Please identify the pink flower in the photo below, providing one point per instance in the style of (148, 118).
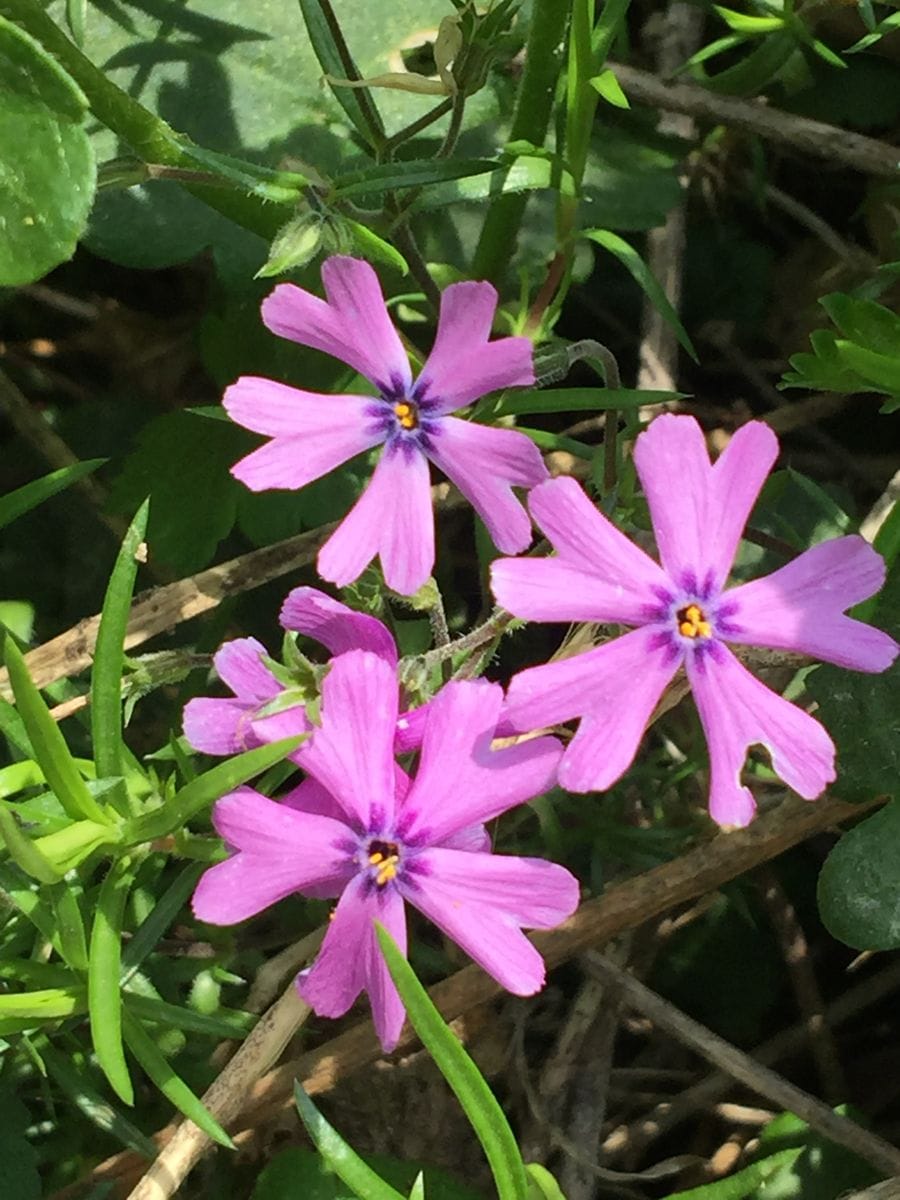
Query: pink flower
(684, 617)
(361, 829)
(260, 710)
(312, 434)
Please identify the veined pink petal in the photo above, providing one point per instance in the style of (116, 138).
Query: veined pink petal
(410, 729)
(614, 688)
(219, 726)
(463, 894)
(350, 960)
(310, 797)
(393, 518)
(339, 628)
(351, 753)
(486, 463)
(738, 711)
(584, 539)
(699, 511)
(463, 364)
(352, 326)
(800, 607)
(239, 664)
(551, 589)
(460, 780)
(278, 410)
(279, 851)
(313, 434)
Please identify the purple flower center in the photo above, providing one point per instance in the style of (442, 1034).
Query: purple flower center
(383, 860)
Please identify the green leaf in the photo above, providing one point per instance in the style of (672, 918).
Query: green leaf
(484, 1113)
(610, 89)
(882, 370)
(753, 73)
(859, 885)
(296, 1173)
(23, 851)
(68, 847)
(74, 1084)
(824, 369)
(172, 1086)
(49, 747)
(642, 275)
(747, 24)
(21, 1178)
(396, 176)
(864, 321)
(341, 1157)
(45, 1005)
(161, 916)
(64, 899)
(541, 1184)
(109, 658)
(202, 791)
(46, 192)
(76, 17)
(373, 248)
(748, 1182)
(295, 244)
(335, 60)
(23, 499)
(546, 400)
(225, 1023)
(104, 997)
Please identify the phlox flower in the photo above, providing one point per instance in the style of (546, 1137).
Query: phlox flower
(360, 828)
(311, 434)
(260, 709)
(685, 616)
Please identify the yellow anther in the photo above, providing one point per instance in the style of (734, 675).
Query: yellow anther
(692, 622)
(388, 871)
(376, 858)
(406, 415)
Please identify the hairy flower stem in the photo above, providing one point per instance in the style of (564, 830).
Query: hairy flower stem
(496, 624)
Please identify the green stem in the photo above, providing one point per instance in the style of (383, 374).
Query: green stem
(408, 131)
(406, 244)
(370, 113)
(531, 119)
(148, 135)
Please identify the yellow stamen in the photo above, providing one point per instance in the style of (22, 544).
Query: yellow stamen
(406, 414)
(388, 871)
(376, 858)
(692, 622)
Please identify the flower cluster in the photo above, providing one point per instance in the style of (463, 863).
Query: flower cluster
(376, 835)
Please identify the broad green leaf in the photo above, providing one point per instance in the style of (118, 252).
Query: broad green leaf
(859, 886)
(46, 192)
(478, 1102)
(103, 978)
(75, 1085)
(544, 400)
(21, 1178)
(341, 1157)
(643, 276)
(202, 791)
(172, 1086)
(23, 499)
(49, 746)
(109, 657)
(883, 370)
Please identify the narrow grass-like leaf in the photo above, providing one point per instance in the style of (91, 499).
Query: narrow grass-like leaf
(75, 1085)
(164, 912)
(21, 893)
(45, 1005)
(554, 441)
(76, 19)
(13, 729)
(341, 1158)
(70, 923)
(24, 852)
(541, 1184)
(545, 400)
(67, 848)
(37, 974)
(227, 1023)
(410, 174)
(23, 499)
(202, 791)
(335, 59)
(49, 746)
(747, 1182)
(478, 1101)
(109, 657)
(172, 1086)
(644, 277)
(103, 978)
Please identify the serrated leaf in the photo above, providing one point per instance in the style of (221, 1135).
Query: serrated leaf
(864, 321)
(23, 499)
(46, 193)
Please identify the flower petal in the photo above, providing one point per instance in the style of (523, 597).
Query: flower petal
(463, 364)
(219, 726)
(279, 851)
(613, 688)
(350, 960)
(481, 900)
(353, 325)
(626, 579)
(460, 780)
(410, 729)
(800, 607)
(239, 664)
(320, 432)
(550, 589)
(351, 753)
(739, 711)
(699, 511)
(392, 518)
(339, 628)
(485, 464)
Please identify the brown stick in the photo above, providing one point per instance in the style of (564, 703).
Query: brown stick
(838, 146)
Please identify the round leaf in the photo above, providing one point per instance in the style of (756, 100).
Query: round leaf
(859, 888)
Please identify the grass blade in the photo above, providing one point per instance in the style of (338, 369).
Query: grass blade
(335, 59)
(164, 912)
(478, 1101)
(22, 500)
(104, 996)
